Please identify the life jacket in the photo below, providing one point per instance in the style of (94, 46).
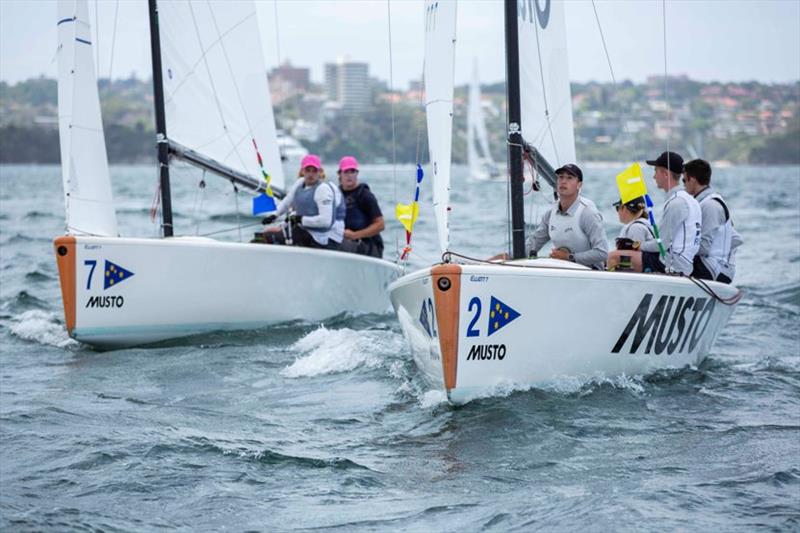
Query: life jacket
(305, 205)
(628, 229)
(720, 258)
(356, 219)
(685, 242)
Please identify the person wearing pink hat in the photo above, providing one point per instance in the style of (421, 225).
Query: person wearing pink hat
(318, 211)
(364, 219)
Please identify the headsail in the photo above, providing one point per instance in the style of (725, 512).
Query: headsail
(440, 45)
(216, 92)
(84, 164)
(544, 80)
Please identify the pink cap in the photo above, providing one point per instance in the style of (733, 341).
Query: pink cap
(348, 162)
(311, 160)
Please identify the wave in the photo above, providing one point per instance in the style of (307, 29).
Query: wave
(771, 363)
(784, 293)
(41, 327)
(24, 301)
(36, 215)
(191, 445)
(341, 350)
(36, 275)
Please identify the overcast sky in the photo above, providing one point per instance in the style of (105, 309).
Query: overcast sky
(725, 40)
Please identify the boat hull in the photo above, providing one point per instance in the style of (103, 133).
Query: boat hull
(121, 292)
(495, 325)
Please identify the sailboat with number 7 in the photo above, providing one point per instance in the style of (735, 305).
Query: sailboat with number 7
(210, 87)
(475, 325)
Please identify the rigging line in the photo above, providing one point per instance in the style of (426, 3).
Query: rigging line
(235, 147)
(391, 102)
(666, 99)
(611, 70)
(230, 68)
(97, 34)
(236, 201)
(544, 94)
(277, 32)
(211, 78)
(113, 42)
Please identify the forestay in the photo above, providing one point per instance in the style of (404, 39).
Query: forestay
(440, 45)
(546, 99)
(84, 166)
(216, 91)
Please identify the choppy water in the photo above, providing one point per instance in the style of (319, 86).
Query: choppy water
(304, 426)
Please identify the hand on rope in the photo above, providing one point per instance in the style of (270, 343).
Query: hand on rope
(269, 219)
(294, 219)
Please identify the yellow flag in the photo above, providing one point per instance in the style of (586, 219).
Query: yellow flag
(407, 214)
(631, 183)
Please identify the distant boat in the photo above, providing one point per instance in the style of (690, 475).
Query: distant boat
(482, 166)
(211, 89)
(292, 152)
(476, 325)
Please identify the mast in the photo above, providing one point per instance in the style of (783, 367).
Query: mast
(514, 131)
(161, 122)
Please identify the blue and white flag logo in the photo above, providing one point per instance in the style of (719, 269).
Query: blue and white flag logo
(500, 315)
(114, 275)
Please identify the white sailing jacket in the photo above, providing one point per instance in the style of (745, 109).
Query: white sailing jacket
(719, 240)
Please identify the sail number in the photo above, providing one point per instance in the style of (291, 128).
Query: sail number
(93, 264)
(427, 318)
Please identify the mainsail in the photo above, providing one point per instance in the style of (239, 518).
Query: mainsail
(84, 165)
(544, 80)
(440, 46)
(216, 91)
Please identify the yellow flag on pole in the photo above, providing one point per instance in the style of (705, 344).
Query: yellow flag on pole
(630, 183)
(407, 214)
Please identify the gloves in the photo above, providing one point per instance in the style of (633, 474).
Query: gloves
(269, 219)
(295, 219)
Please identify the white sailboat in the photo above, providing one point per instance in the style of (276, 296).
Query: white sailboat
(211, 88)
(481, 165)
(476, 326)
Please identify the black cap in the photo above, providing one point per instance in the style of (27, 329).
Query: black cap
(669, 160)
(633, 205)
(570, 168)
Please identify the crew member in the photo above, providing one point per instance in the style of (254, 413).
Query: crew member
(715, 260)
(680, 223)
(319, 211)
(636, 230)
(573, 224)
(363, 222)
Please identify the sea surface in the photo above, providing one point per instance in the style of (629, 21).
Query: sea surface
(308, 426)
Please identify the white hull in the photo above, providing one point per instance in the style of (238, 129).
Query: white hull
(563, 320)
(182, 286)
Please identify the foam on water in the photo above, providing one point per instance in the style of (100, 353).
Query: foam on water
(42, 327)
(328, 351)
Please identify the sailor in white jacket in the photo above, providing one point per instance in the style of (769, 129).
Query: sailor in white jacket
(573, 224)
(680, 223)
(715, 259)
(319, 211)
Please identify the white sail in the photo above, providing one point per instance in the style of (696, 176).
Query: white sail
(216, 91)
(440, 47)
(546, 99)
(480, 123)
(84, 166)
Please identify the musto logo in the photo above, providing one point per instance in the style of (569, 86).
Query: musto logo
(105, 301)
(673, 324)
(487, 352)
